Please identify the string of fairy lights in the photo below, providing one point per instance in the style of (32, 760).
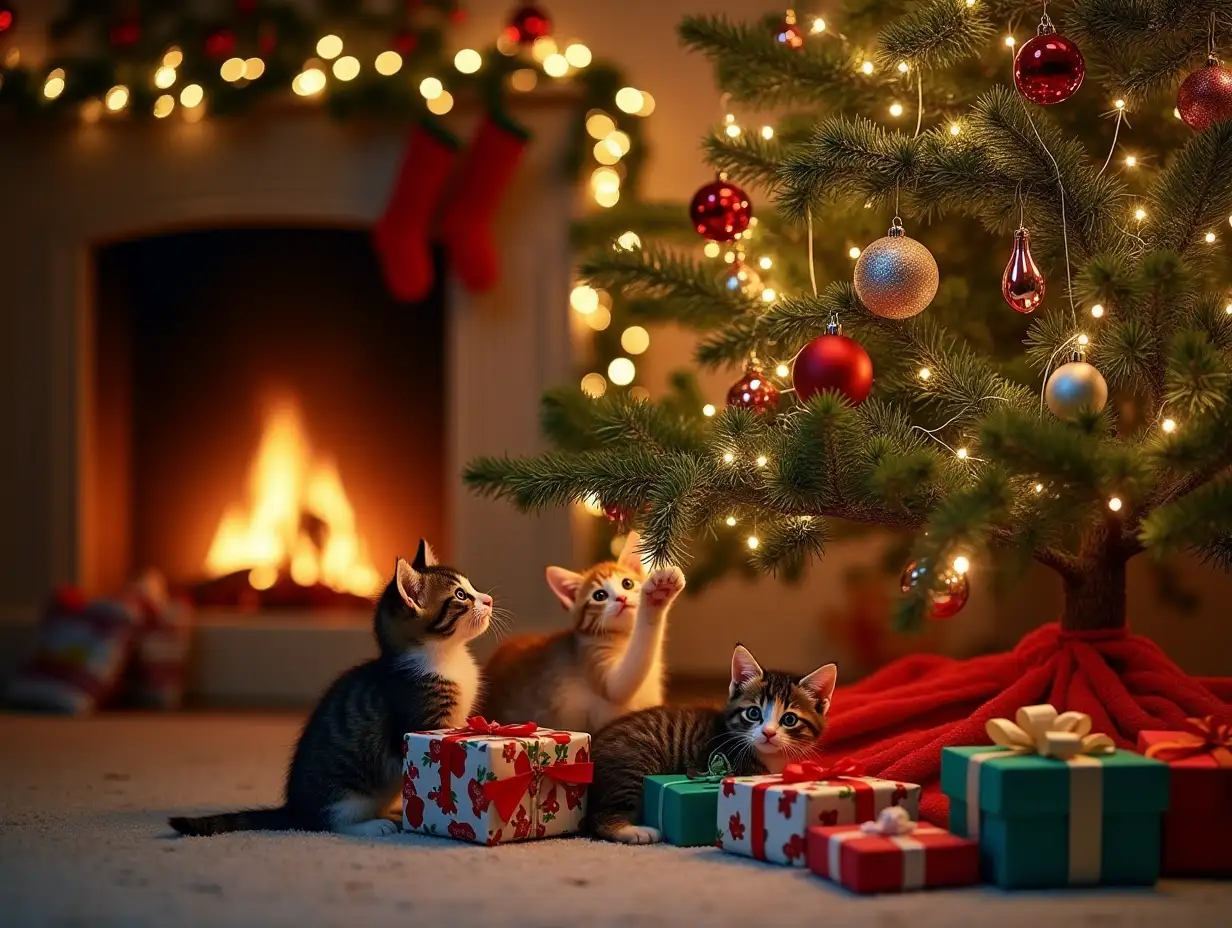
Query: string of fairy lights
(752, 279)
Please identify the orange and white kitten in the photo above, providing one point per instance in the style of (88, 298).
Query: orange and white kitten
(608, 664)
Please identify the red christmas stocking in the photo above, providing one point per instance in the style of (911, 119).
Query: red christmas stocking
(481, 180)
(401, 234)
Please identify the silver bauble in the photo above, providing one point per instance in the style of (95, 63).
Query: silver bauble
(896, 276)
(1075, 387)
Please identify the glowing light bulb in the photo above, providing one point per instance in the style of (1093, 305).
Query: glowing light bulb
(924, 373)
(1131, 161)
(896, 109)
(1010, 41)
(962, 454)
(594, 385)
(621, 371)
(468, 61)
(853, 253)
(629, 240)
(728, 457)
(1140, 214)
(308, 82)
(53, 86)
(191, 96)
(762, 460)
(711, 250)
(782, 370)
(163, 106)
(578, 55)
(955, 129)
(430, 88)
(765, 263)
(442, 104)
(1119, 104)
(388, 63)
(164, 77)
(867, 67)
(767, 132)
(730, 257)
(1210, 238)
(819, 25)
(730, 520)
(329, 46)
(1083, 340)
(1168, 425)
(556, 65)
(523, 79)
(253, 68)
(117, 98)
(1176, 113)
(733, 131)
(1115, 504)
(173, 58)
(629, 100)
(635, 339)
(584, 299)
(1228, 309)
(708, 410)
(903, 67)
(961, 565)
(752, 541)
(542, 47)
(232, 70)
(346, 68)
(1097, 310)
(1039, 488)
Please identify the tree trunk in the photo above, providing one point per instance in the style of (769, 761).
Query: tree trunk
(1096, 598)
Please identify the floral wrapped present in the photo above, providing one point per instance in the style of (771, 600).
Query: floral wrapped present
(1199, 819)
(682, 807)
(892, 854)
(767, 817)
(491, 783)
(1053, 805)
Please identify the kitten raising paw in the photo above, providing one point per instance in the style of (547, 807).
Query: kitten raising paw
(661, 589)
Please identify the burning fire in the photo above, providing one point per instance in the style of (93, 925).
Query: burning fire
(298, 518)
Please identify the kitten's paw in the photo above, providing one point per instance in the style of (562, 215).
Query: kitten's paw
(373, 828)
(635, 834)
(662, 586)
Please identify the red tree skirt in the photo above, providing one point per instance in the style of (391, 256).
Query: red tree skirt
(895, 722)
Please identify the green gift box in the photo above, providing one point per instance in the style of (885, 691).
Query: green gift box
(1048, 822)
(683, 809)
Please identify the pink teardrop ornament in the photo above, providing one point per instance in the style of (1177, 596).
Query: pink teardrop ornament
(1023, 284)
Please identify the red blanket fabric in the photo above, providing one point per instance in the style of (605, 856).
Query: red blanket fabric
(895, 722)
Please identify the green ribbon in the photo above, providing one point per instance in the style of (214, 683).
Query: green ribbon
(718, 767)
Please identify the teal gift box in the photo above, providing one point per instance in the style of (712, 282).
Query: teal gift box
(1047, 822)
(683, 809)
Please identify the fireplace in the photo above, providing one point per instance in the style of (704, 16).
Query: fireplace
(275, 428)
(92, 457)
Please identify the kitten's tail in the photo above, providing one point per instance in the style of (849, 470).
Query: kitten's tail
(248, 820)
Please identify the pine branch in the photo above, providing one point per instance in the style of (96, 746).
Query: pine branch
(748, 158)
(936, 34)
(1193, 195)
(786, 545)
(1202, 517)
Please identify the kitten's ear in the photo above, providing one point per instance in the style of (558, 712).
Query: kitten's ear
(820, 683)
(630, 557)
(410, 584)
(744, 668)
(564, 584)
(425, 557)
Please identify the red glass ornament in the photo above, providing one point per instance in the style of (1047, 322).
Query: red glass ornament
(1205, 97)
(405, 41)
(833, 362)
(8, 19)
(753, 391)
(949, 599)
(1049, 68)
(788, 32)
(720, 211)
(1023, 284)
(220, 43)
(527, 24)
(125, 33)
(615, 513)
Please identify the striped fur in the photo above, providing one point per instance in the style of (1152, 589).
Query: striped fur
(608, 663)
(770, 718)
(344, 773)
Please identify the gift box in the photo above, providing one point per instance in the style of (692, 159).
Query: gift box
(1199, 818)
(491, 784)
(767, 817)
(1053, 805)
(683, 808)
(892, 855)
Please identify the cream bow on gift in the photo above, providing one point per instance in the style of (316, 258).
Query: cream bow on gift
(894, 820)
(1040, 730)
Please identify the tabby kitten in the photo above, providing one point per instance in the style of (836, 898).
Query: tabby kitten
(609, 663)
(346, 769)
(770, 719)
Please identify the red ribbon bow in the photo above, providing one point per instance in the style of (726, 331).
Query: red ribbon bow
(507, 793)
(478, 725)
(808, 771)
(1200, 736)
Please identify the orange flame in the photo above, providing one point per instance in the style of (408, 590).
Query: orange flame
(298, 518)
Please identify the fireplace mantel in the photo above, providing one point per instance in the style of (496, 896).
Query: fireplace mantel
(68, 188)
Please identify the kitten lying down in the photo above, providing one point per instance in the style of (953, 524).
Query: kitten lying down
(346, 770)
(771, 718)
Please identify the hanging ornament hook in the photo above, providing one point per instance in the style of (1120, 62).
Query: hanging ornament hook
(896, 228)
(1211, 58)
(1045, 27)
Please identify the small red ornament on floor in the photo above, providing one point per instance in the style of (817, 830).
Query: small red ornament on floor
(1023, 284)
(1049, 68)
(947, 602)
(753, 391)
(125, 33)
(1205, 97)
(8, 19)
(220, 43)
(720, 211)
(527, 24)
(788, 32)
(833, 362)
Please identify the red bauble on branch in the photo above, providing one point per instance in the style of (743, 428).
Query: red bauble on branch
(220, 43)
(947, 601)
(720, 211)
(527, 24)
(1049, 68)
(1205, 97)
(833, 362)
(8, 19)
(1023, 284)
(753, 391)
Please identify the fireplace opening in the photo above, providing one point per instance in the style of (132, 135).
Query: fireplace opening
(268, 423)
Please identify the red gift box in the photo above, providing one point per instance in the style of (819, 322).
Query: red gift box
(1199, 816)
(867, 862)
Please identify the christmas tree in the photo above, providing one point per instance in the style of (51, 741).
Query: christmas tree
(1110, 437)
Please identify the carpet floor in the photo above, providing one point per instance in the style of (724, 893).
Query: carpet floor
(84, 841)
